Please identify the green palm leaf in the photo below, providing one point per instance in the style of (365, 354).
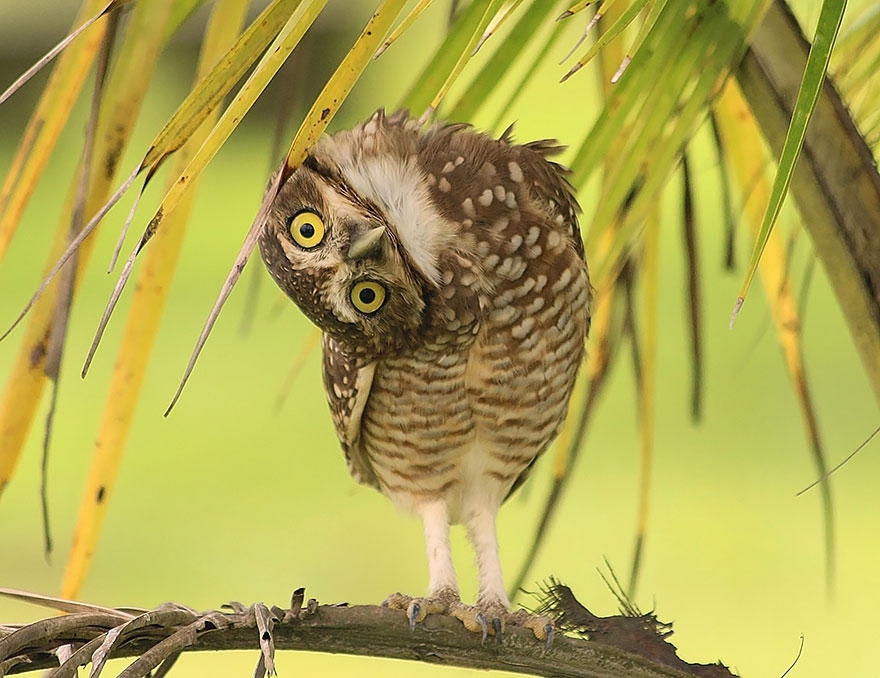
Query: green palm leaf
(659, 70)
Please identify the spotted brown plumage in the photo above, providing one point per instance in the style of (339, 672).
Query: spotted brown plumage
(446, 270)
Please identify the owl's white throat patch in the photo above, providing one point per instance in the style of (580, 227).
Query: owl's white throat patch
(397, 186)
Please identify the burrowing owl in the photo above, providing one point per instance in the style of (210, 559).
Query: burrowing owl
(446, 270)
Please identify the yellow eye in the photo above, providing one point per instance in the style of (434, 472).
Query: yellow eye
(367, 296)
(307, 229)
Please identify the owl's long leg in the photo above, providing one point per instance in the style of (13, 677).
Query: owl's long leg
(441, 571)
(492, 601)
(443, 596)
(481, 530)
(492, 608)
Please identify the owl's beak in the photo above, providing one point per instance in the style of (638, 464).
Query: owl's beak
(366, 244)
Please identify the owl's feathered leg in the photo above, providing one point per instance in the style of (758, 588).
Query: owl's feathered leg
(492, 609)
(443, 596)
(492, 600)
(481, 530)
(441, 571)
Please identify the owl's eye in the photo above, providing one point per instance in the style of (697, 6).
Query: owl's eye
(307, 229)
(367, 296)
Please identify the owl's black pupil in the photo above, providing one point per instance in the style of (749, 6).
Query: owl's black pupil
(307, 230)
(367, 296)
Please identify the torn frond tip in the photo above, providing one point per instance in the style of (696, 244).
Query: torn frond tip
(124, 275)
(429, 111)
(120, 241)
(736, 307)
(177, 393)
(481, 42)
(621, 69)
(574, 69)
(72, 247)
(379, 52)
(580, 40)
(244, 253)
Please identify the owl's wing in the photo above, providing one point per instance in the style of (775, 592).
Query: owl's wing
(347, 382)
(553, 187)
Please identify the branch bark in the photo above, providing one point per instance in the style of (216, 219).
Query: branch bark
(157, 637)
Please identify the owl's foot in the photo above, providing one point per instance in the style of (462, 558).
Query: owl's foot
(448, 603)
(483, 618)
(541, 625)
(419, 608)
(498, 617)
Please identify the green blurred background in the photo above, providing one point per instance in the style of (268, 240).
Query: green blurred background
(231, 498)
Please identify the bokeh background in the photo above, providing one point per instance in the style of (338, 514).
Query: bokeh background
(235, 498)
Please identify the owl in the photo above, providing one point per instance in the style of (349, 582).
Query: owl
(446, 271)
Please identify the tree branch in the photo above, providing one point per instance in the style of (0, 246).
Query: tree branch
(632, 647)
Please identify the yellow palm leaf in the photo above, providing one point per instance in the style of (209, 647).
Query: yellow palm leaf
(47, 121)
(143, 322)
(748, 157)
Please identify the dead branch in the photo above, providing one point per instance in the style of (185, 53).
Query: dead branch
(610, 647)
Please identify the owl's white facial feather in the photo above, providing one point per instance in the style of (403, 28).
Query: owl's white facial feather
(398, 188)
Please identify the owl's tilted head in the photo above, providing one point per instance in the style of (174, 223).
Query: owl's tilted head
(390, 236)
(348, 238)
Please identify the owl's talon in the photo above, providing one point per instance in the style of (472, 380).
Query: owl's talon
(414, 610)
(498, 628)
(550, 630)
(481, 620)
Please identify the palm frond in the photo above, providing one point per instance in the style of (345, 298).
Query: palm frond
(661, 67)
(144, 315)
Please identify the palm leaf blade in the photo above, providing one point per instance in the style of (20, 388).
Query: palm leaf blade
(747, 158)
(46, 124)
(126, 87)
(316, 121)
(140, 332)
(836, 182)
(808, 94)
(216, 84)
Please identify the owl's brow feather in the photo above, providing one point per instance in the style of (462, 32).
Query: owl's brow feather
(334, 178)
(337, 182)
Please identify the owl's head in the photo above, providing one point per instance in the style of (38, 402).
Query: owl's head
(351, 238)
